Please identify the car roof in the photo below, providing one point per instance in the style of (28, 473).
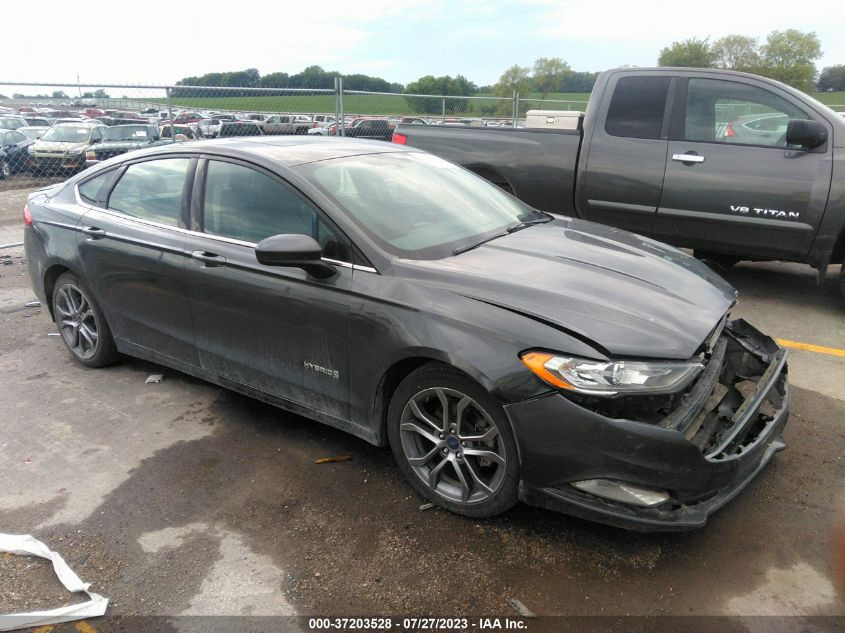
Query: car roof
(287, 150)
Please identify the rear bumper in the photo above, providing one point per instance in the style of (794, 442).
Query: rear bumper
(562, 442)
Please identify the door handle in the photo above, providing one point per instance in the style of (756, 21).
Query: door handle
(211, 260)
(688, 158)
(94, 232)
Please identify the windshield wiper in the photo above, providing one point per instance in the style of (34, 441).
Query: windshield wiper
(516, 226)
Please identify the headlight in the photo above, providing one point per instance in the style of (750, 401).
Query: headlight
(608, 378)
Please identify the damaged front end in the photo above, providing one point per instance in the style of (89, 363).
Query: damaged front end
(666, 461)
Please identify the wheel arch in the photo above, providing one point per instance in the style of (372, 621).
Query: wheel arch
(51, 274)
(401, 369)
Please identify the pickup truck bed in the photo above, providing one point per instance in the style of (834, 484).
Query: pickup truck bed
(521, 161)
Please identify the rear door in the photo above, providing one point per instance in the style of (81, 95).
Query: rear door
(732, 183)
(626, 153)
(272, 328)
(132, 250)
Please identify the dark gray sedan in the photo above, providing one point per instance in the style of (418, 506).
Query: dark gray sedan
(502, 353)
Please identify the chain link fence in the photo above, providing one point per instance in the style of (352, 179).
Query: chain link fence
(49, 131)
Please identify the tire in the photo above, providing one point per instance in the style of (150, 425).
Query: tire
(434, 456)
(81, 323)
(720, 261)
(5, 169)
(842, 279)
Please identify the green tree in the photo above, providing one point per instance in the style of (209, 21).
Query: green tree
(691, 53)
(579, 82)
(549, 75)
(789, 56)
(832, 78)
(275, 80)
(515, 78)
(59, 94)
(736, 52)
(447, 86)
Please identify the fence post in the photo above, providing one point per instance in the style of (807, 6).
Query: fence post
(515, 106)
(336, 102)
(443, 112)
(340, 123)
(170, 116)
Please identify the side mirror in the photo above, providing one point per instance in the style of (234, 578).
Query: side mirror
(294, 250)
(805, 133)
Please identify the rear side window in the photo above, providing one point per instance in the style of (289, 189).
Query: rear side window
(95, 191)
(245, 204)
(637, 107)
(152, 190)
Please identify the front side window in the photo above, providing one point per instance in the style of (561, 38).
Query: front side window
(637, 107)
(720, 111)
(247, 205)
(416, 205)
(152, 190)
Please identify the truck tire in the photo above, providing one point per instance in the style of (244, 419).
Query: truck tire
(719, 261)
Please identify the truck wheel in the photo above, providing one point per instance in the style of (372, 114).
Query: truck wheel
(453, 442)
(718, 260)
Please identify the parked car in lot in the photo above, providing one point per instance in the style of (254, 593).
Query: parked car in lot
(13, 146)
(287, 124)
(12, 122)
(120, 139)
(374, 129)
(767, 194)
(63, 147)
(33, 132)
(33, 121)
(190, 132)
(209, 127)
(240, 128)
(501, 352)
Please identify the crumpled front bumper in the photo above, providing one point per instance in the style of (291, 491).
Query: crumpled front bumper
(706, 451)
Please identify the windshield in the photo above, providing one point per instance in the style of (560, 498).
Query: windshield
(125, 133)
(67, 134)
(416, 205)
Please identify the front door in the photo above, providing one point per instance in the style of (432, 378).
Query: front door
(732, 183)
(271, 328)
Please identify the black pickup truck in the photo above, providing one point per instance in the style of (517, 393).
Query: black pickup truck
(732, 165)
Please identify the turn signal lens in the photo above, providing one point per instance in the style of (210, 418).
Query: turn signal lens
(399, 139)
(27, 216)
(536, 362)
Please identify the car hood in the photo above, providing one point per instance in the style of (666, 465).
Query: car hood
(627, 295)
(52, 146)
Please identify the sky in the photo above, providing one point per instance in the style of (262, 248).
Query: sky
(399, 40)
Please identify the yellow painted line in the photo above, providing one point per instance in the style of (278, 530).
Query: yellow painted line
(44, 629)
(84, 627)
(807, 347)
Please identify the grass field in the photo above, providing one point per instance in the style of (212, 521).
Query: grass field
(401, 105)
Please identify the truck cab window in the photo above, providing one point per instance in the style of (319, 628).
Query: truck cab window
(637, 107)
(720, 111)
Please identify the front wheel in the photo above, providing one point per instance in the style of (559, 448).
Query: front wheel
(81, 323)
(453, 442)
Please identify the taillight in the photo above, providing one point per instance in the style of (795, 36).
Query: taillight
(27, 216)
(90, 154)
(729, 130)
(399, 139)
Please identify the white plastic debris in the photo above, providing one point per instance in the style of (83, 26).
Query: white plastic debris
(154, 378)
(26, 545)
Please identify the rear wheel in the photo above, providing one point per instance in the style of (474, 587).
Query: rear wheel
(453, 443)
(81, 323)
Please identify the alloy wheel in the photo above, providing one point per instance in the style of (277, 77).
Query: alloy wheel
(76, 321)
(453, 445)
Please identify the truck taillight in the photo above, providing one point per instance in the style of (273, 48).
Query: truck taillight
(729, 130)
(399, 139)
(27, 216)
